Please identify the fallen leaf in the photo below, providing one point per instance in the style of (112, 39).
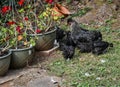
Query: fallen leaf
(20, 37)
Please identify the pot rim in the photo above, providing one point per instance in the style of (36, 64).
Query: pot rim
(43, 33)
(9, 53)
(21, 49)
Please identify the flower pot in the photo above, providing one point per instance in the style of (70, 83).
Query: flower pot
(45, 41)
(20, 57)
(5, 63)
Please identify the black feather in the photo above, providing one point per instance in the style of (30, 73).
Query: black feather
(67, 51)
(100, 47)
(60, 34)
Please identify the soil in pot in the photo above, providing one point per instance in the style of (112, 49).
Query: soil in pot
(3, 53)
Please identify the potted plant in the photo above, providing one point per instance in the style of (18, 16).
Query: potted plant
(5, 57)
(22, 48)
(44, 30)
(45, 22)
(40, 23)
(5, 53)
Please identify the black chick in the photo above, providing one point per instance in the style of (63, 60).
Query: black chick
(82, 35)
(100, 47)
(60, 34)
(67, 50)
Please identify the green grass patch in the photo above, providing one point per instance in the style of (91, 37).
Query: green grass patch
(82, 12)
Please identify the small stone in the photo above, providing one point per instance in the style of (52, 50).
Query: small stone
(87, 74)
(53, 80)
(103, 61)
(98, 78)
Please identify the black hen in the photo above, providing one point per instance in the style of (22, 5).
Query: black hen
(83, 35)
(85, 47)
(60, 34)
(100, 47)
(67, 46)
(68, 39)
(67, 50)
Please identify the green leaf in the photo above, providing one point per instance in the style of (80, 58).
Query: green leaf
(21, 10)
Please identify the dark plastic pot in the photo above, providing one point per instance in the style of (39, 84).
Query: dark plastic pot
(5, 63)
(45, 41)
(20, 57)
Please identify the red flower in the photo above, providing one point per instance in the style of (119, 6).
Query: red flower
(38, 31)
(5, 9)
(26, 18)
(18, 29)
(49, 1)
(10, 22)
(21, 2)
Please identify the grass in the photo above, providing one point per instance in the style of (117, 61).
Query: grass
(88, 70)
(82, 12)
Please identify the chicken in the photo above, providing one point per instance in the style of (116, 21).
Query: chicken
(87, 40)
(68, 39)
(96, 47)
(67, 51)
(67, 46)
(82, 35)
(60, 34)
(85, 47)
(100, 47)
